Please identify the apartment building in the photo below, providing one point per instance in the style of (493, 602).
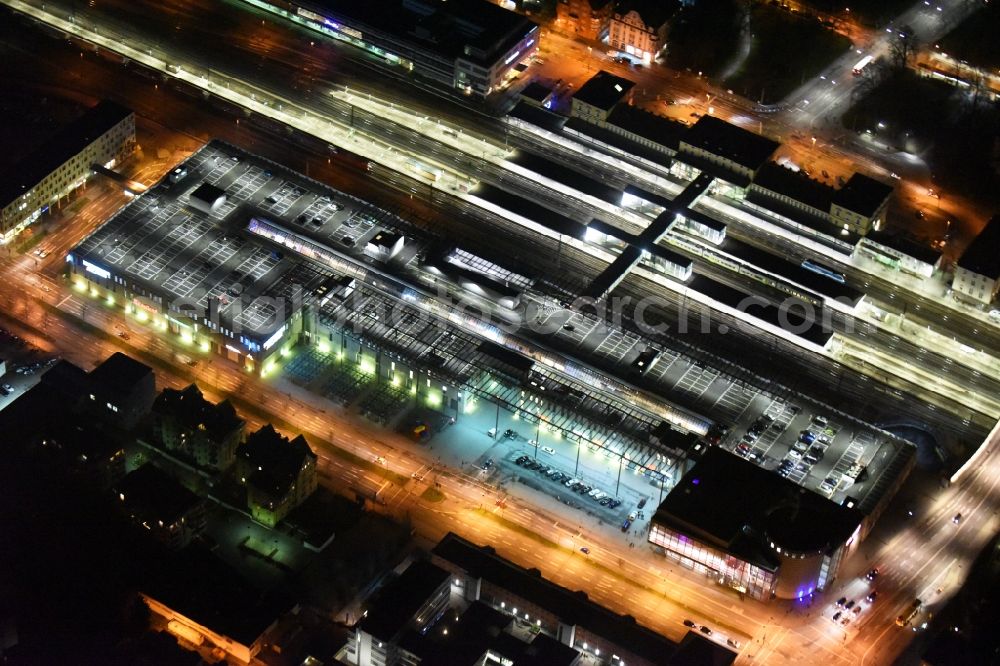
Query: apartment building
(104, 135)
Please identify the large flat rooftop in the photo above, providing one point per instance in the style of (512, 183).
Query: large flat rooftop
(475, 30)
(734, 143)
(735, 505)
(194, 260)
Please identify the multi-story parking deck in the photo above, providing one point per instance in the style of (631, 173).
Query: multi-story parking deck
(381, 305)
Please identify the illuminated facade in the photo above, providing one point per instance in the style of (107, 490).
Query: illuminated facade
(472, 47)
(583, 18)
(278, 473)
(756, 581)
(104, 135)
(778, 540)
(640, 35)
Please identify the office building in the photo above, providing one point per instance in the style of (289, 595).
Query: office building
(473, 47)
(468, 606)
(601, 636)
(780, 540)
(104, 135)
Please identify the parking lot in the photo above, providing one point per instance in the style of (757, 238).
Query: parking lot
(826, 453)
(24, 364)
(807, 444)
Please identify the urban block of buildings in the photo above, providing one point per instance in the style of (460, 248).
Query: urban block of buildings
(473, 48)
(468, 605)
(104, 135)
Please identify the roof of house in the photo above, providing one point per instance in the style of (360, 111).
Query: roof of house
(276, 460)
(394, 605)
(781, 180)
(66, 143)
(654, 13)
(536, 91)
(152, 495)
(120, 373)
(191, 410)
(196, 584)
(746, 148)
(659, 129)
(711, 504)
(862, 195)
(571, 607)
(604, 90)
(982, 256)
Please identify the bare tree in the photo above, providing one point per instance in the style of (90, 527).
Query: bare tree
(902, 47)
(869, 79)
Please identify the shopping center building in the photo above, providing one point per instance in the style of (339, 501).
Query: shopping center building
(762, 535)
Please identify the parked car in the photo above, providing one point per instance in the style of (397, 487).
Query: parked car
(705, 630)
(873, 574)
(549, 450)
(689, 623)
(626, 524)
